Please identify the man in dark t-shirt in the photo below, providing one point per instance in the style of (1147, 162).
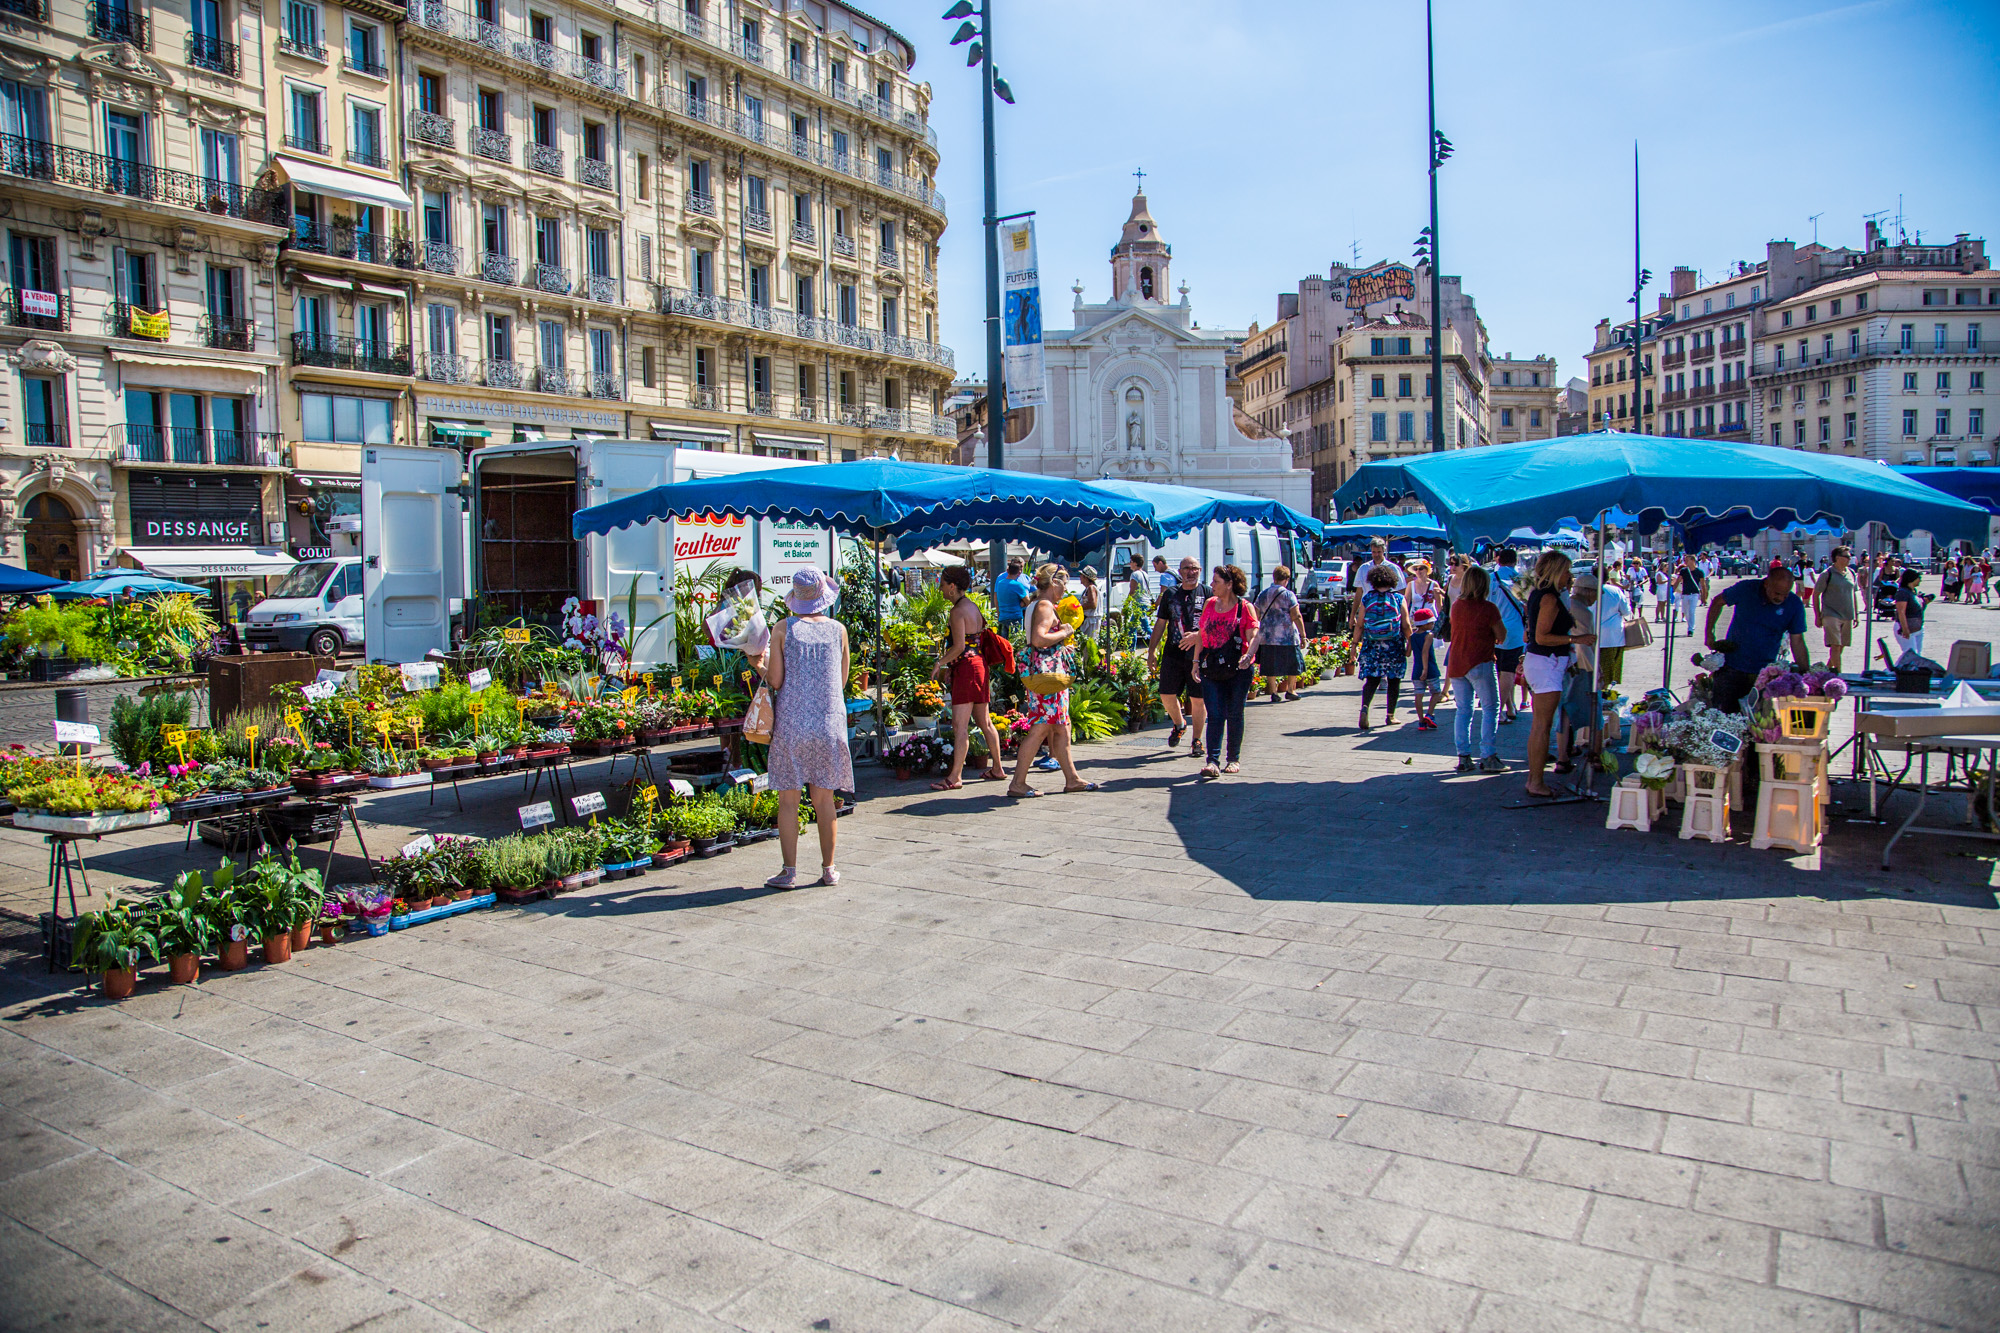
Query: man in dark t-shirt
(1764, 613)
(1176, 635)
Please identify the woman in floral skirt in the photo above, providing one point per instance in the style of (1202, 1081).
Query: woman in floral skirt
(1385, 639)
(1049, 653)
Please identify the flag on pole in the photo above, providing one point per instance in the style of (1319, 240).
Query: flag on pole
(1021, 281)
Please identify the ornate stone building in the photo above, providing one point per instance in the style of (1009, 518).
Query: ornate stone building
(1137, 389)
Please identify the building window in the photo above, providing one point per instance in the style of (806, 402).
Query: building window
(1944, 381)
(1375, 347)
(1975, 421)
(1506, 377)
(1377, 386)
(1378, 427)
(847, 388)
(551, 345)
(1535, 419)
(1406, 425)
(1786, 321)
(548, 242)
(805, 383)
(603, 356)
(704, 273)
(1507, 416)
(1972, 337)
(645, 259)
(647, 371)
(500, 338)
(331, 419)
(892, 394)
(1909, 422)
(1826, 430)
(1403, 347)
(1943, 421)
(1907, 341)
(45, 403)
(305, 124)
(364, 134)
(760, 286)
(701, 376)
(891, 316)
(1909, 381)
(1402, 386)
(642, 177)
(593, 141)
(542, 120)
(1861, 301)
(1799, 432)
(1976, 381)
(1777, 435)
(1847, 425)
(850, 306)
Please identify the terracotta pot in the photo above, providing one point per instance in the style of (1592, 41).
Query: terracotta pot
(903, 775)
(278, 948)
(184, 969)
(119, 981)
(329, 935)
(302, 936)
(233, 956)
(461, 895)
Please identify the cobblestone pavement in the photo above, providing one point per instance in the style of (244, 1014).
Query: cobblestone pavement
(1340, 1043)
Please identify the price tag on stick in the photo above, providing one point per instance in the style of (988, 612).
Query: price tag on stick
(534, 816)
(76, 733)
(514, 635)
(479, 680)
(680, 787)
(590, 803)
(418, 846)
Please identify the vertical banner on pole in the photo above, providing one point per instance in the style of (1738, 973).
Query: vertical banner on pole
(1021, 286)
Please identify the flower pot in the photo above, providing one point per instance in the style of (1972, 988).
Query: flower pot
(701, 845)
(328, 934)
(278, 948)
(903, 775)
(119, 981)
(184, 969)
(488, 757)
(461, 895)
(302, 935)
(676, 845)
(233, 956)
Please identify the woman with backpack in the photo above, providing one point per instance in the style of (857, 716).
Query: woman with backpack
(1222, 665)
(1385, 637)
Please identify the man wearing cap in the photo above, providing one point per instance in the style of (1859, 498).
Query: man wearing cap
(1834, 606)
(1764, 613)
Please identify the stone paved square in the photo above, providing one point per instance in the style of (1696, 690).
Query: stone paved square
(1341, 1043)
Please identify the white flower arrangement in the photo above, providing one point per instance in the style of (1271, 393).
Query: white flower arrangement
(1690, 736)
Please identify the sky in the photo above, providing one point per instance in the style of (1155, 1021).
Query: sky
(1278, 135)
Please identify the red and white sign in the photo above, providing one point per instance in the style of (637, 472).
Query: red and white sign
(701, 540)
(46, 304)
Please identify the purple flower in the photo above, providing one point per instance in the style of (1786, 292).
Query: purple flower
(1783, 685)
(1834, 688)
(1765, 677)
(589, 624)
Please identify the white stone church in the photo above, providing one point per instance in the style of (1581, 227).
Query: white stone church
(1135, 390)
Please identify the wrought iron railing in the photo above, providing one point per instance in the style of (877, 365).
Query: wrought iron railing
(439, 17)
(888, 259)
(430, 127)
(496, 144)
(229, 332)
(214, 55)
(354, 64)
(722, 310)
(603, 384)
(116, 23)
(302, 144)
(335, 351)
(757, 219)
(590, 171)
(47, 434)
(437, 257)
(805, 409)
(346, 242)
(120, 320)
(500, 374)
(545, 158)
(702, 396)
(40, 160)
(804, 233)
(364, 157)
(763, 405)
(701, 203)
(300, 46)
(51, 311)
(444, 368)
(843, 245)
(139, 442)
(496, 268)
(552, 379)
(36, 11)
(602, 287)
(549, 278)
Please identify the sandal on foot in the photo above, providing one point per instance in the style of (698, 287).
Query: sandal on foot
(828, 876)
(1210, 771)
(788, 878)
(946, 784)
(1232, 767)
(1023, 792)
(1088, 786)
(994, 775)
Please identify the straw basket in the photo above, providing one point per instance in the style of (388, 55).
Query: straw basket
(1804, 719)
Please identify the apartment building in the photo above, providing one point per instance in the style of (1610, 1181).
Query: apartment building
(1886, 356)
(137, 317)
(1522, 399)
(1694, 402)
(1382, 390)
(1622, 381)
(1261, 379)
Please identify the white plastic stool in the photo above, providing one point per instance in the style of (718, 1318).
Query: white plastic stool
(1706, 814)
(1631, 806)
(1788, 815)
(1796, 762)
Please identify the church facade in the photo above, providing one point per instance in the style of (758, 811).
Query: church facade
(1137, 390)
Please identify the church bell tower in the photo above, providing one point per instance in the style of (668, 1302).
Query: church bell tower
(1140, 259)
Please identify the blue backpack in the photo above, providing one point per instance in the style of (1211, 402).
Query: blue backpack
(1382, 615)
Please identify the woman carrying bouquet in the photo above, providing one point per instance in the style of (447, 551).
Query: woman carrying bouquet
(807, 671)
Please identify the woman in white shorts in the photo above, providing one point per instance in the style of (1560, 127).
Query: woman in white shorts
(1552, 641)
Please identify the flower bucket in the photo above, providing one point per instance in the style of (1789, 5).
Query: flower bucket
(1804, 719)
(119, 981)
(184, 969)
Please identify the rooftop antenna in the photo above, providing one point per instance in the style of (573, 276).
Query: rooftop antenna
(1815, 221)
(1902, 237)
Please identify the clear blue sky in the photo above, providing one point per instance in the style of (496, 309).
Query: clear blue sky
(1275, 134)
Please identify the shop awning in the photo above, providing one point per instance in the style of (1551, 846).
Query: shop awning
(663, 430)
(341, 184)
(396, 293)
(460, 431)
(313, 279)
(211, 562)
(771, 439)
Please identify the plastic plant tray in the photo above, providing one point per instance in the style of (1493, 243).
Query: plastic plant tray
(97, 823)
(429, 914)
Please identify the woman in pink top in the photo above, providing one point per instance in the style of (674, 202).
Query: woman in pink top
(1224, 662)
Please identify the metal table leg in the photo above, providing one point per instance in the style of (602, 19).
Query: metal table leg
(1923, 796)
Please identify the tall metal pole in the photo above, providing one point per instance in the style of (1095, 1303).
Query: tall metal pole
(996, 375)
(1638, 292)
(1437, 304)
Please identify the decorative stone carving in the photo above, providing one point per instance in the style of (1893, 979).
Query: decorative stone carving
(42, 354)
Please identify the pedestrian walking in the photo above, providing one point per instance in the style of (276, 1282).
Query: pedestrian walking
(1051, 666)
(1690, 589)
(1552, 639)
(1170, 655)
(1513, 641)
(1908, 630)
(1609, 616)
(1362, 577)
(962, 663)
(1093, 612)
(1476, 631)
(1283, 630)
(807, 674)
(1426, 602)
(1011, 596)
(1835, 605)
(1228, 647)
(1384, 616)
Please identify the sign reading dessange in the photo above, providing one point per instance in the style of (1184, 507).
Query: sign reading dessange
(557, 416)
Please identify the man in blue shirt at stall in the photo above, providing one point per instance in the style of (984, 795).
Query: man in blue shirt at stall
(1764, 612)
(1011, 596)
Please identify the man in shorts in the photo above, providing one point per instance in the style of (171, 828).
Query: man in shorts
(1176, 637)
(964, 664)
(1834, 603)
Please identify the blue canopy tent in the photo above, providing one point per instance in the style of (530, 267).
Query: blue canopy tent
(1388, 527)
(1176, 509)
(880, 498)
(15, 580)
(1975, 485)
(126, 583)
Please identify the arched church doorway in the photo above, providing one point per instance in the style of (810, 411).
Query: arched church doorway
(50, 538)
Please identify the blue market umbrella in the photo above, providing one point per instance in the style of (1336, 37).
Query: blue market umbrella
(1975, 485)
(1707, 488)
(128, 584)
(14, 579)
(1389, 527)
(1177, 509)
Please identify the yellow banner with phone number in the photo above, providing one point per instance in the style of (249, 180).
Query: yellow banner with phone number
(149, 324)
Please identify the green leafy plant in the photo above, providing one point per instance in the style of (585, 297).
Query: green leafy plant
(282, 895)
(114, 938)
(703, 817)
(79, 629)
(182, 916)
(516, 861)
(1096, 710)
(134, 732)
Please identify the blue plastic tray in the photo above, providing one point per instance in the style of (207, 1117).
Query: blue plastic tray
(409, 919)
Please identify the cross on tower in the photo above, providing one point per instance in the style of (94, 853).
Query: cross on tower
(1141, 176)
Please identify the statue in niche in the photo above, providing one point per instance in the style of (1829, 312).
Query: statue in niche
(1135, 428)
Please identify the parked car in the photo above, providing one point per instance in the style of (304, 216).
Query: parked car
(315, 609)
(1324, 582)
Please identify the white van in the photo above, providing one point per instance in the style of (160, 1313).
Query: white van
(316, 608)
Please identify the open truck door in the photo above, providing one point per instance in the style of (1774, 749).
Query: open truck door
(411, 545)
(635, 565)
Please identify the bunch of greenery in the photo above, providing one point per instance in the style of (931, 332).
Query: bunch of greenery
(78, 629)
(182, 917)
(516, 861)
(1096, 709)
(94, 791)
(622, 841)
(281, 895)
(703, 817)
(114, 938)
(134, 732)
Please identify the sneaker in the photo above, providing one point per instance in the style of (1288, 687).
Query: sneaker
(1194, 748)
(1174, 737)
(828, 876)
(788, 878)
(1492, 763)
(1464, 763)
(1047, 764)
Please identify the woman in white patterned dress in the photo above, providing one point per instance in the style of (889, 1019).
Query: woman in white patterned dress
(807, 672)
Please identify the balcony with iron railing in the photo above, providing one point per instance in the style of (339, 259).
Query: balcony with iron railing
(703, 397)
(1671, 360)
(602, 287)
(306, 49)
(552, 379)
(1706, 352)
(368, 155)
(496, 268)
(722, 310)
(495, 144)
(545, 158)
(300, 143)
(37, 159)
(594, 172)
(804, 233)
(605, 385)
(549, 278)
(429, 127)
(527, 53)
(118, 318)
(843, 246)
(115, 23)
(1734, 347)
(763, 405)
(805, 409)
(354, 64)
(436, 257)
(214, 55)
(340, 241)
(888, 259)
(26, 308)
(444, 368)
(46, 434)
(138, 442)
(703, 204)
(334, 351)
(500, 373)
(749, 50)
(228, 332)
(757, 219)
(35, 11)
(1891, 348)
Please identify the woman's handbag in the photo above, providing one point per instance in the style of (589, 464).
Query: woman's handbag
(1047, 682)
(1638, 632)
(759, 718)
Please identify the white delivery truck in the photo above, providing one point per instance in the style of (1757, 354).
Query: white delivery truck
(1256, 551)
(316, 608)
(525, 564)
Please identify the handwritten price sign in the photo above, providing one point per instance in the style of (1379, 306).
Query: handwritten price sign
(479, 680)
(514, 636)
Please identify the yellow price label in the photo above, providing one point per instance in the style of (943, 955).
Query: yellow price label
(383, 725)
(677, 682)
(718, 678)
(350, 706)
(475, 706)
(649, 794)
(514, 636)
(746, 680)
(295, 720)
(173, 735)
(649, 684)
(250, 733)
(631, 692)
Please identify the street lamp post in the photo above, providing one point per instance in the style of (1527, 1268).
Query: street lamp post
(1427, 243)
(1640, 277)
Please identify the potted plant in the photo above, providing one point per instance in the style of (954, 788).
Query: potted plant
(284, 902)
(229, 917)
(913, 755)
(183, 925)
(111, 942)
(705, 823)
